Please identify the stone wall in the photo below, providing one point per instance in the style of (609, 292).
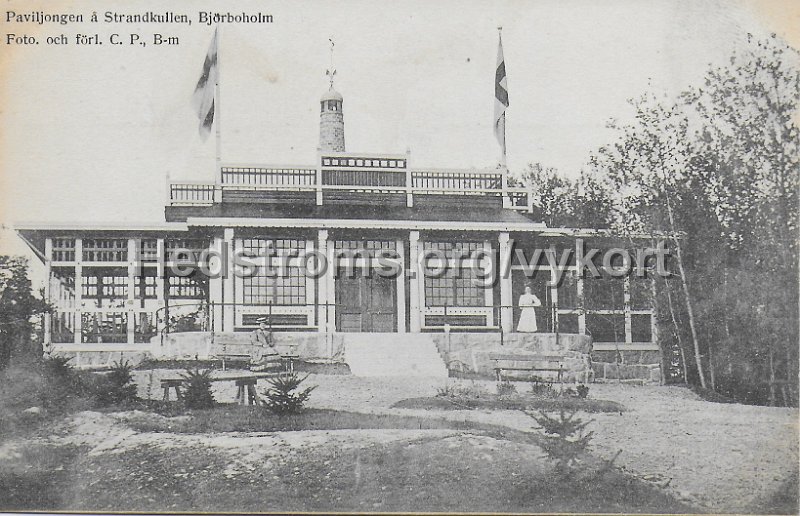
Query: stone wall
(645, 373)
(471, 351)
(96, 359)
(629, 356)
(199, 345)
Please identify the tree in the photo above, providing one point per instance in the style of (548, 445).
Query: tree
(717, 170)
(18, 308)
(562, 202)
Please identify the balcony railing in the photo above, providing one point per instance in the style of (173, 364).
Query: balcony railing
(377, 174)
(193, 194)
(274, 176)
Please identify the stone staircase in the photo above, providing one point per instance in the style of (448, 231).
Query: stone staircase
(393, 354)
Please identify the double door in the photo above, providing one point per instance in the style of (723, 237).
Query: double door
(366, 303)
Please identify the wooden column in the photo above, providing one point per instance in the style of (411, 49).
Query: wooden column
(228, 282)
(409, 181)
(330, 273)
(319, 179)
(48, 268)
(78, 290)
(160, 283)
(130, 304)
(215, 289)
(506, 298)
(627, 307)
(309, 282)
(322, 292)
(415, 278)
(581, 302)
(401, 288)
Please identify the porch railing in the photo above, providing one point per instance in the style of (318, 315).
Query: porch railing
(356, 178)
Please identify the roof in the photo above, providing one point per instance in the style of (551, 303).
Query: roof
(331, 94)
(464, 214)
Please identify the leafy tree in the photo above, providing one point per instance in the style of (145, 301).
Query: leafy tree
(18, 309)
(716, 170)
(562, 202)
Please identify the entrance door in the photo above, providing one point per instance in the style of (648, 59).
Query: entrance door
(366, 304)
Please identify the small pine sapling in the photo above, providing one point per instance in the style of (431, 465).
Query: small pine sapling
(197, 389)
(280, 397)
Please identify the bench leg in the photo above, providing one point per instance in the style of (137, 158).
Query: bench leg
(252, 395)
(177, 393)
(166, 393)
(240, 399)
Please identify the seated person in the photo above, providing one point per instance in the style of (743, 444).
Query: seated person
(264, 355)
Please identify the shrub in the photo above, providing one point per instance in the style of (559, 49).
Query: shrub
(564, 439)
(543, 389)
(197, 389)
(280, 397)
(506, 388)
(117, 386)
(583, 391)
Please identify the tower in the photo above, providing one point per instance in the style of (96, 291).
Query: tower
(331, 118)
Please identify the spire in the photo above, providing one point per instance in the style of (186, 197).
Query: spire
(331, 72)
(331, 121)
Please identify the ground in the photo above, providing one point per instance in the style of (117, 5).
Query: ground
(679, 454)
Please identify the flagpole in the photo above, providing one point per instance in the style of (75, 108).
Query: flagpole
(503, 162)
(217, 103)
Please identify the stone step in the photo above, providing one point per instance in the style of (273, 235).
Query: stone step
(381, 355)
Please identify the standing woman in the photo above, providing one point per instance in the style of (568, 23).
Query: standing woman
(527, 318)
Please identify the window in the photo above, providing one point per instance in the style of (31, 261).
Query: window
(145, 286)
(185, 249)
(261, 247)
(454, 249)
(365, 247)
(104, 284)
(63, 250)
(641, 293)
(148, 249)
(289, 289)
(606, 327)
(568, 291)
(641, 328)
(105, 249)
(454, 288)
(194, 286)
(568, 323)
(606, 293)
(265, 286)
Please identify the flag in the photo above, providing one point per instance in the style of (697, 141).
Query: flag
(204, 92)
(500, 98)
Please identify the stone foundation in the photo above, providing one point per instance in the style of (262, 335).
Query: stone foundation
(650, 373)
(470, 351)
(200, 345)
(98, 359)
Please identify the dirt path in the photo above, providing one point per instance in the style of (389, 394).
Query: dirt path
(726, 458)
(106, 466)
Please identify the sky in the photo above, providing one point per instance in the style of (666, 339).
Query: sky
(92, 133)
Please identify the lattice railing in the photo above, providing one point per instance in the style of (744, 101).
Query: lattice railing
(269, 176)
(454, 181)
(191, 193)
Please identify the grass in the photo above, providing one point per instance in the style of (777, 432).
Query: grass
(235, 418)
(35, 477)
(490, 401)
(456, 474)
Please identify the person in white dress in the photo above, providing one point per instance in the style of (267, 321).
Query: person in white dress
(527, 318)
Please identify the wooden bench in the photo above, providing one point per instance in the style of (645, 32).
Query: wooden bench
(527, 362)
(245, 384)
(286, 360)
